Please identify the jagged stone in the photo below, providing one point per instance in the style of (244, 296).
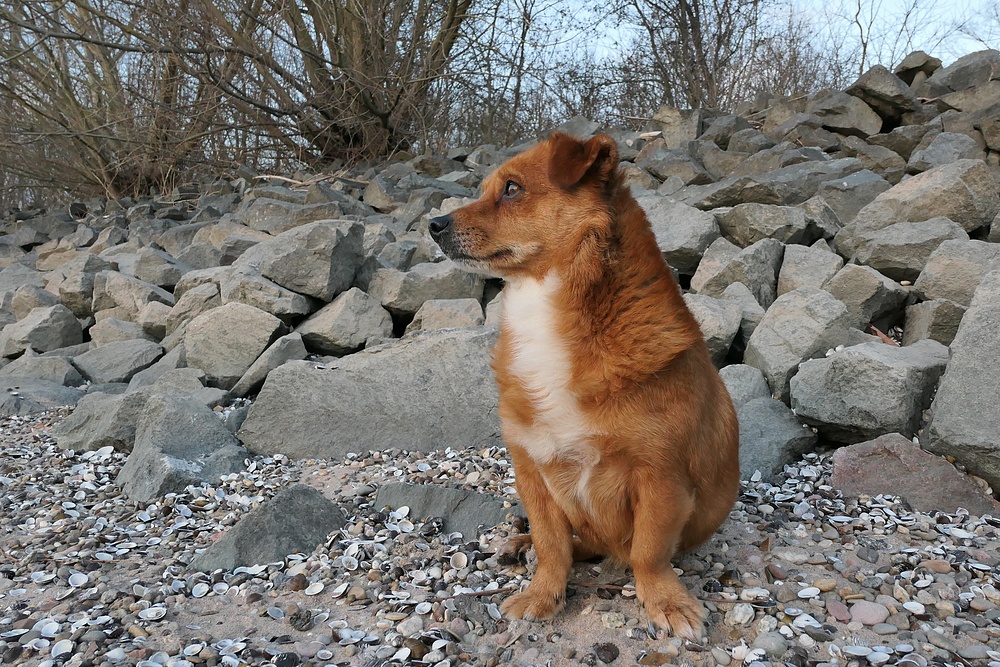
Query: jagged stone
(346, 324)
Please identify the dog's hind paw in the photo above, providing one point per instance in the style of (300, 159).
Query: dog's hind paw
(680, 615)
(533, 604)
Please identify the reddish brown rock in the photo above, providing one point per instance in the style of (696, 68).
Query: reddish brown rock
(892, 464)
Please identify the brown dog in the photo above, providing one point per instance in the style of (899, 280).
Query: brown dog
(623, 437)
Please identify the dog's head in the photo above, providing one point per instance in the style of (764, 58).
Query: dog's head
(535, 208)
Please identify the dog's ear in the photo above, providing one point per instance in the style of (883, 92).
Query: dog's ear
(572, 161)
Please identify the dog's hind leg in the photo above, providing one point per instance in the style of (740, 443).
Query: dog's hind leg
(552, 537)
(660, 514)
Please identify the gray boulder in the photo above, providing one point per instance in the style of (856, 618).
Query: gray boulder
(846, 114)
(937, 319)
(192, 303)
(111, 330)
(802, 324)
(460, 510)
(900, 251)
(43, 329)
(101, 420)
(318, 259)
(25, 395)
(225, 341)
(885, 93)
(719, 321)
(51, 369)
(296, 520)
(346, 324)
(869, 296)
(963, 191)
(158, 268)
(117, 362)
(247, 287)
(274, 217)
(285, 349)
(965, 415)
(428, 391)
(848, 195)
(803, 266)
(944, 148)
(447, 314)
(116, 289)
(745, 224)
(755, 266)
(877, 159)
(868, 390)
(403, 292)
(28, 297)
(955, 269)
(744, 383)
(178, 442)
(682, 232)
(751, 312)
(770, 437)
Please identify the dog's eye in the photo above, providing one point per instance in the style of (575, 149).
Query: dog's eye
(512, 189)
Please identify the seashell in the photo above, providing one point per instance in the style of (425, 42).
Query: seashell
(102, 556)
(220, 588)
(494, 612)
(877, 658)
(42, 577)
(809, 592)
(324, 654)
(232, 649)
(912, 660)
(153, 613)
(78, 579)
(856, 651)
(350, 563)
(459, 560)
(194, 649)
(276, 613)
(314, 588)
(340, 589)
(200, 590)
(115, 655)
(38, 644)
(903, 648)
(50, 629)
(138, 590)
(62, 647)
(423, 608)
(401, 655)
(405, 526)
(913, 607)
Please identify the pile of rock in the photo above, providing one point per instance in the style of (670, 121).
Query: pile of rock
(833, 247)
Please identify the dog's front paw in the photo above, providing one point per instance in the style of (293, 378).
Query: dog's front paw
(534, 604)
(673, 609)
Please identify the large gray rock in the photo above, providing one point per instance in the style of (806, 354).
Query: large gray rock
(116, 289)
(755, 266)
(225, 341)
(770, 436)
(158, 268)
(51, 369)
(178, 442)
(869, 296)
(461, 511)
(191, 304)
(28, 297)
(42, 330)
(112, 330)
(892, 464)
(878, 159)
(937, 319)
(751, 311)
(429, 391)
(965, 415)
(745, 224)
(963, 191)
(944, 148)
(885, 93)
(118, 362)
(848, 195)
(868, 390)
(247, 287)
(296, 520)
(664, 163)
(403, 292)
(744, 383)
(25, 396)
(846, 114)
(274, 217)
(800, 325)
(346, 324)
(101, 420)
(683, 233)
(900, 251)
(318, 259)
(803, 266)
(719, 321)
(285, 349)
(955, 269)
(447, 314)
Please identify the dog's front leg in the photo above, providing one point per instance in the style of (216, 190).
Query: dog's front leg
(552, 536)
(660, 514)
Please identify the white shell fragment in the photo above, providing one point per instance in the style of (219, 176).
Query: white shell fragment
(314, 588)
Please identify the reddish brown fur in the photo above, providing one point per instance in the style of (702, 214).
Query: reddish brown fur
(666, 438)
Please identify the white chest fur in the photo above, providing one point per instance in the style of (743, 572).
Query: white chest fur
(541, 361)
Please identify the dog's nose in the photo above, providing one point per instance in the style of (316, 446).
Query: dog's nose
(438, 225)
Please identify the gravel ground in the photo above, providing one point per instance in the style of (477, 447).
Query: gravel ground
(797, 575)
